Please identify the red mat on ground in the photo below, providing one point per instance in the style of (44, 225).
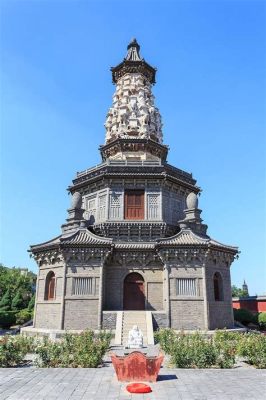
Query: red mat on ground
(138, 388)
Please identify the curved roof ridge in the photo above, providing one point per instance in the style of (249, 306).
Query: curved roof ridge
(216, 243)
(185, 233)
(84, 236)
(55, 240)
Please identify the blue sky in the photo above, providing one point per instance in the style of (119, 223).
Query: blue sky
(56, 89)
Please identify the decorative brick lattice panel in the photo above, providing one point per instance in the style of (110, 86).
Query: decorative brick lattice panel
(153, 206)
(83, 286)
(115, 206)
(186, 287)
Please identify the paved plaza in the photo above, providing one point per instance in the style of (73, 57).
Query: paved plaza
(101, 383)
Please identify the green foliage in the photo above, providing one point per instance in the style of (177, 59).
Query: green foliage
(23, 316)
(6, 301)
(13, 350)
(18, 301)
(244, 316)
(85, 350)
(7, 319)
(226, 345)
(262, 320)
(219, 350)
(15, 284)
(253, 348)
(31, 303)
(238, 292)
(166, 337)
(190, 351)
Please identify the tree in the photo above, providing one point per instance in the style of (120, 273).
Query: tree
(18, 302)
(238, 292)
(15, 283)
(31, 303)
(6, 301)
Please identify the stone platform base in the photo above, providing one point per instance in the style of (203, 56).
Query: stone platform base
(58, 333)
(51, 333)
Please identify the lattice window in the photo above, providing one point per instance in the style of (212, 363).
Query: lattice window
(153, 206)
(83, 286)
(91, 209)
(102, 207)
(186, 287)
(115, 206)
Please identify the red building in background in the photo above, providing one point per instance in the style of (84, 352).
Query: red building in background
(252, 303)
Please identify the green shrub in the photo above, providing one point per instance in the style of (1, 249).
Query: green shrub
(13, 350)
(23, 316)
(85, 350)
(226, 346)
(7, 319)
(191, 351)
(253, 348)
(166, 337)
(244, 316)
(262, 320)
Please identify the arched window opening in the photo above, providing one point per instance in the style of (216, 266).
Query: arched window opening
(218, 287)
(50, 286)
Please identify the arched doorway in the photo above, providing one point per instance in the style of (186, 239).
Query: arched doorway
(134, 297)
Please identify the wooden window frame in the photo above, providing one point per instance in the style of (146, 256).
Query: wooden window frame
(132, 210)
(50, 286)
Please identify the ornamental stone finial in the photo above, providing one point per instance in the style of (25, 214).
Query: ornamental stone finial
(76, 200)
(192, 201)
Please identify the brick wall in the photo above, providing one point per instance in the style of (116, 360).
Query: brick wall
(48, 315)
(81, 314)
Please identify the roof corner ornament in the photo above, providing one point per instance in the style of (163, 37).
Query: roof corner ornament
(192, 218)
(75, 218)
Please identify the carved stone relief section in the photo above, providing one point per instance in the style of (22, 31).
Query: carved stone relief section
(133, 113)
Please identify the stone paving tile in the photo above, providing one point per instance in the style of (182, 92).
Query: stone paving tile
(101, 384)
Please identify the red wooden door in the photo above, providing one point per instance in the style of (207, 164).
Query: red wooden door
(134, 204)
(134, 297)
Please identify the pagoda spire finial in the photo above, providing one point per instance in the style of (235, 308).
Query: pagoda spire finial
(133, 51)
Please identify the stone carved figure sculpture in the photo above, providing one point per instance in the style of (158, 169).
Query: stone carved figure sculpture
(133, 94)
(135, 338)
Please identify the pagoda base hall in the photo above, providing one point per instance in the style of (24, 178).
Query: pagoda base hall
(133, 247)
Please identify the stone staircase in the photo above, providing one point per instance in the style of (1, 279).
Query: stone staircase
(125, 322)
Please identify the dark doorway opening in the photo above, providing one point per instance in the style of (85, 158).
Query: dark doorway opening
(134, 296)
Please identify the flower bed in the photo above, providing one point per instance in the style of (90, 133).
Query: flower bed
(85, 350)
(218, 351)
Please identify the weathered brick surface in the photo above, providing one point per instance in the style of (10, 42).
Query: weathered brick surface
(187, 314)
(81, 314)
(109, 320)
(160, 320)
(48, 315)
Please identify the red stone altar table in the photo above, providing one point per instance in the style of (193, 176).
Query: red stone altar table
(136, 366)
